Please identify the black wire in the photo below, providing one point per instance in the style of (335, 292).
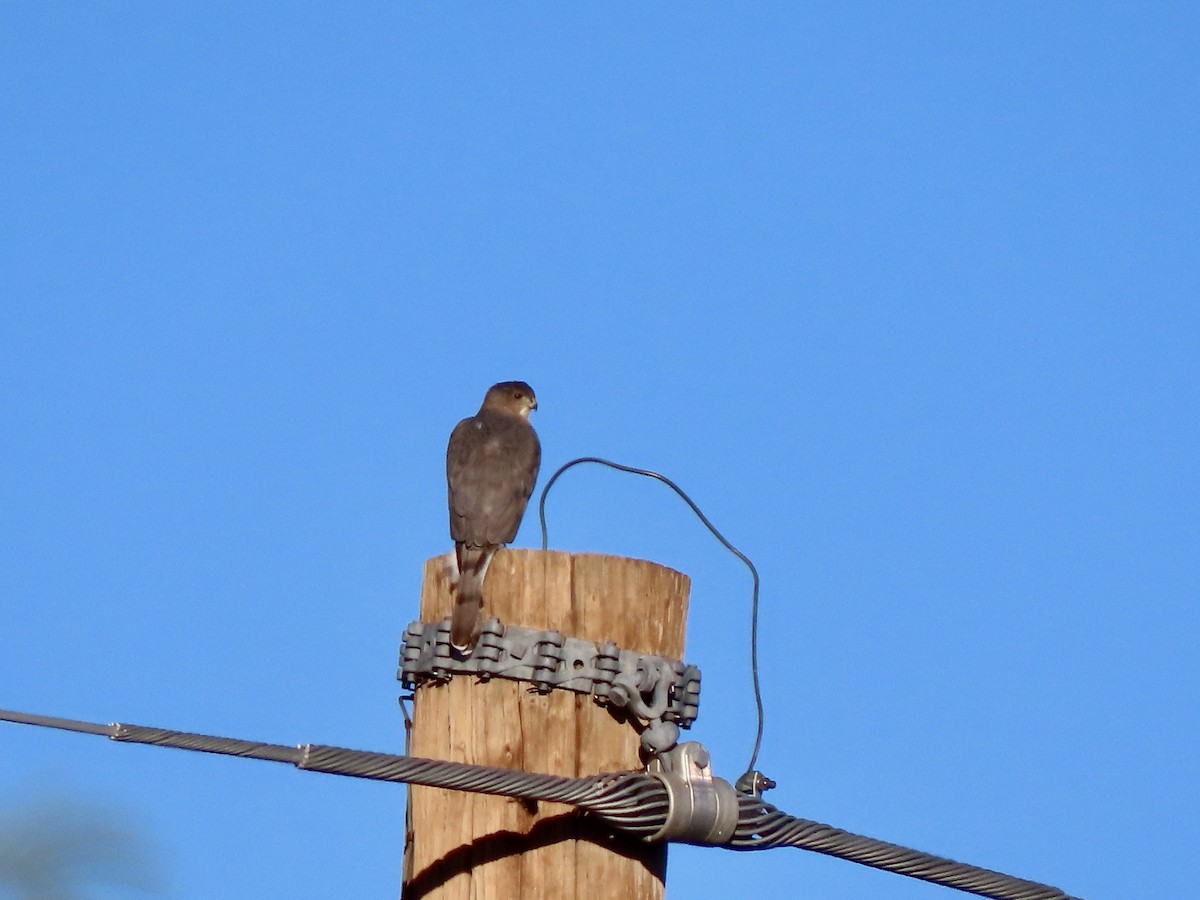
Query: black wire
(720, 537)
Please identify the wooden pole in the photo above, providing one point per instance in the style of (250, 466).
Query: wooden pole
(474, 847)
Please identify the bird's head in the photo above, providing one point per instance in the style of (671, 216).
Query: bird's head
(514, 397)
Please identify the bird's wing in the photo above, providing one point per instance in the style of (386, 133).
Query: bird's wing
(492, 464)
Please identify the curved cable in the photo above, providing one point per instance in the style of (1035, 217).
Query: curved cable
(750, 775)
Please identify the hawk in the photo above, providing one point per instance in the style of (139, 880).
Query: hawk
(491, 465)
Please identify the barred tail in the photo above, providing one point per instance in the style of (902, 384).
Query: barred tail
(466, 619)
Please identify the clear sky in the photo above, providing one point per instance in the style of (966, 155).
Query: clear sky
(906, 296)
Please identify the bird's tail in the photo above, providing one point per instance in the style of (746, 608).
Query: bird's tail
(466, 619)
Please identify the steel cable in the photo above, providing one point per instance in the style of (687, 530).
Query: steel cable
(634, 802)
(761, 826)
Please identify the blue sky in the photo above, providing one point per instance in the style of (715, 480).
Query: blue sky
(904, 294)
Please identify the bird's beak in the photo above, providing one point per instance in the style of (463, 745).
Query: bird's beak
(533, 403)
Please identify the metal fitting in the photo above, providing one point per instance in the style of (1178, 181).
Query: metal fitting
(702, 809)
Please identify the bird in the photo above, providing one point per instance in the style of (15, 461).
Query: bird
(492, 463)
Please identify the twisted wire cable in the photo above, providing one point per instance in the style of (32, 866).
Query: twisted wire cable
(634, 802)
(631, 801)
(762, 826)
(182, 740)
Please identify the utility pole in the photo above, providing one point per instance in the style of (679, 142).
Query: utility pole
(466, 846)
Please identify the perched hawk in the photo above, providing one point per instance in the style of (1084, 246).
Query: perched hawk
(491, 464)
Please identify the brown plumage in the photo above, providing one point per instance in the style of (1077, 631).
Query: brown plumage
(491, 466)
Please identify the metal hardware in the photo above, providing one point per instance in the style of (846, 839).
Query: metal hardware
(662, 694)
(702, 809)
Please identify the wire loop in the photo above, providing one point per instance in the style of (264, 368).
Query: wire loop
(758, 704)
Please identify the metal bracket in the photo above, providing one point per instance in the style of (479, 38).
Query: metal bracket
(663, 694)
(702, 809)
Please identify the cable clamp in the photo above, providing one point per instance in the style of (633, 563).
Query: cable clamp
(702, 809)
